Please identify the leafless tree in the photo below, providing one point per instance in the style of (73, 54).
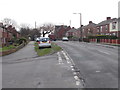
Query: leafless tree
(8, 21)
(24, 25)
(46, 29)
(27, 32)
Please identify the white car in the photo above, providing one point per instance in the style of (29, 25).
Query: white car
(44, 42)
(37, 39)
(65, 39)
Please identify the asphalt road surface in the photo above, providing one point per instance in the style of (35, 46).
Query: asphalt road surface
(97, 63)
(24, 69)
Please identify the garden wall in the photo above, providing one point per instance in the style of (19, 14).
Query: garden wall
(12, 50)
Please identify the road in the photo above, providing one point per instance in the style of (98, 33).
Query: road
(78, 65)
(98, 64)
(24, 69)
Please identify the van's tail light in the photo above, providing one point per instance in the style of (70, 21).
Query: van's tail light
(49, 41)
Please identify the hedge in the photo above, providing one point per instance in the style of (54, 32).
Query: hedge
(102, 37)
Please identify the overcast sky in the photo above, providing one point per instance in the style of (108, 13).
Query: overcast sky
(58, 11)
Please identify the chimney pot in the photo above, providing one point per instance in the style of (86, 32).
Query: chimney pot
(90, 22)
(108, 18)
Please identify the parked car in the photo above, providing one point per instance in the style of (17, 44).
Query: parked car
(65, 39)
(44, 42)
(37, 39)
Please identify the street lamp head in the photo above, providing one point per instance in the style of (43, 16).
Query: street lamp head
(74, 13)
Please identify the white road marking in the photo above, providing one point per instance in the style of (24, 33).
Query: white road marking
(66, 57)
(74, 73)
(59, 58)
(73, 69)
(69, 60)
(77, 82)
(76, 77)
(104, 52)
(97, 71)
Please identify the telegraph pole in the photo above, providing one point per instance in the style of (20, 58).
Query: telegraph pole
(35, 24)
(80, 25)
(70, 23)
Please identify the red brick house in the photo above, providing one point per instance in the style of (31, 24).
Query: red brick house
(108, 27)
(7, 33)
(73, 33)
(60, 31)
(89, 30)
(113, 26)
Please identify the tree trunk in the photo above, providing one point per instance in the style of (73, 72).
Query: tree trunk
(43, 34)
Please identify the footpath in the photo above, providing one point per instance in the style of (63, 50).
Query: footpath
(25, 52)
(108, 45)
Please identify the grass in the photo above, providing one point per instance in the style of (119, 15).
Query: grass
(7, 48)
(46, 51)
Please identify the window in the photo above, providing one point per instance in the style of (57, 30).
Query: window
(82, 30)
(106, 27)
(101, 28)
(88, 30)
(114, 25)
(97, 30)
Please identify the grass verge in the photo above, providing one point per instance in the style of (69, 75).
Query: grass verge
(46, 51)
(7, 48)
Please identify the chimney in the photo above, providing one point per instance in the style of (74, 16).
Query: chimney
(14, 28)
(9, 27)
(90, 22)
(108, 18)
(73, 28)
(1, 24)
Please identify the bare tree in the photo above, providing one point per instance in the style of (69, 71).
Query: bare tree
(27, 32)
(24, 25)
(8, 21)
(46, 29)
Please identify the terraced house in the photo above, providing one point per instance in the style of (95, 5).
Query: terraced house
(60, 31)
(89, 30)
(73, 34)
(105, 27)
(114, 27)
(7, 33)
(108, 27)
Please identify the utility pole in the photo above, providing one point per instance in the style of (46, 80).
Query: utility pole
(80, 25)
(35, 24)
(70, 23)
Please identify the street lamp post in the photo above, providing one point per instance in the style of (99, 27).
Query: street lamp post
(80, 25)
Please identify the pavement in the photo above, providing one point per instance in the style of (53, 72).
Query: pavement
(24, 69)
(25, 52)
(108, 45)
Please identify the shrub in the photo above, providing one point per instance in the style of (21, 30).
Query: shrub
(85, 39)
(103, 37)
(21, 40)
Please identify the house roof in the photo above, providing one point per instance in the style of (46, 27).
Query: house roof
(89, 25)
(106, 22)
(72, 30)
(58, 27)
